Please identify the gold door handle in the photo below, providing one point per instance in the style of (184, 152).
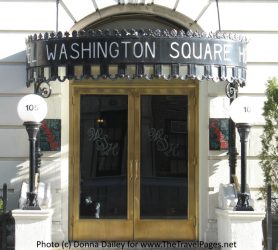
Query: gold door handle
(136, 169)
(130, 170)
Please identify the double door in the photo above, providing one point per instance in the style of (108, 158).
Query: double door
(134, 162)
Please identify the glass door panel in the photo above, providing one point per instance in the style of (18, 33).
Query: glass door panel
(164, 157)
(103, 156)
(165, 164)
(102, 150)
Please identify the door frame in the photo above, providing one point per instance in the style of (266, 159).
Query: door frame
(119, 228)
(158, 229)
(191, 87)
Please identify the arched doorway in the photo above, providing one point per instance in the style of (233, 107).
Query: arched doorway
(134, 146)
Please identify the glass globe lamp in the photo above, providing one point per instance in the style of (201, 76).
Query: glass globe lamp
(32, 109)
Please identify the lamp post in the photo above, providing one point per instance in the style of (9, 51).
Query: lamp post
(242, 112)
(32, 109)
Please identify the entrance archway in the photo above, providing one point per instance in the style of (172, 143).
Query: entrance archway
(157, 17)
(135, 168)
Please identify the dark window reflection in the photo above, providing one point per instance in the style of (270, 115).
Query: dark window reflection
(164, 154)
(103, 156)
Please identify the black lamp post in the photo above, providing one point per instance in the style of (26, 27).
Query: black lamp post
(32, 110)
(243, 197)
(242, 113)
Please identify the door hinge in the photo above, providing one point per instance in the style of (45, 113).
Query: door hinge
(72, 100)
(194, 221)
(194, 161)
(194, 101)
(72, 220)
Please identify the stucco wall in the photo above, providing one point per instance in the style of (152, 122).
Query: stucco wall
(256, 19)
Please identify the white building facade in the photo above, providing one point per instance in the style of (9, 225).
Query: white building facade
(61, 168)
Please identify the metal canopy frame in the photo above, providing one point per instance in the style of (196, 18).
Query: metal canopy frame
(41, 71)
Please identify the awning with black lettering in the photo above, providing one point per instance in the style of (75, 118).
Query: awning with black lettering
(97, 54)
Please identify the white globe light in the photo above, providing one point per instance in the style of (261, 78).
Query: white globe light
(32, 108)
(243, 110)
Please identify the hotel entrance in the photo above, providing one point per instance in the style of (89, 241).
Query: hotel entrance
(134, 171)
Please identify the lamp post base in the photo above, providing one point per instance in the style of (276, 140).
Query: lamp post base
(31, 202)
(243, 203)
(243, 228)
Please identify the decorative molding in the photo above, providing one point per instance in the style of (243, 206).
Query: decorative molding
(138, 33)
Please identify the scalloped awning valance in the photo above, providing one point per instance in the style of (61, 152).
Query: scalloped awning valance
(135, 54)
